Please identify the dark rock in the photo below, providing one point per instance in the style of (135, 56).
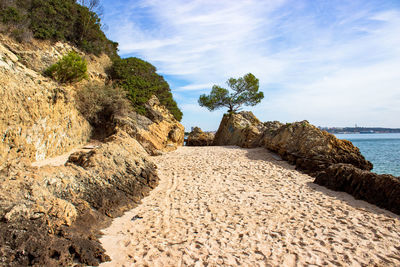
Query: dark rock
(51, 216)
(199, 138)
(381, 190)
(336, 164)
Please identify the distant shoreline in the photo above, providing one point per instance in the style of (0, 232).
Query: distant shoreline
(364, 132)
(359, 130)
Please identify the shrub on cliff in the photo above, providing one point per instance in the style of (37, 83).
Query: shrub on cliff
(140, 80)
(57, 20)
(70, 68)
(99, 103)
(245, 92)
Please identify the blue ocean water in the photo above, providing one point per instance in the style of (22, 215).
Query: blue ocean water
(383, 150)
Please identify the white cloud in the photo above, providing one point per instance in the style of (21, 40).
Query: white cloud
(331, 63)
(195, 87)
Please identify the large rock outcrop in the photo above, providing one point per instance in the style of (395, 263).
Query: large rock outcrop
(199, 138)
(336, 164)
(158, 132)
(300, 143)
(309, 148)
(51, 215)
(382, 190)
(38, 118)
(242, 129)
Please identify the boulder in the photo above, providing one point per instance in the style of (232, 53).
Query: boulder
(381, 190)
(241, 129)
(50, 216)
(199, 138)
(158, 132)
(309, 148)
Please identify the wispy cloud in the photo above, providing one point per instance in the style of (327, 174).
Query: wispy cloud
(331, 62)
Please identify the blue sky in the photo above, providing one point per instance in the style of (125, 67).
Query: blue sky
(334, 63)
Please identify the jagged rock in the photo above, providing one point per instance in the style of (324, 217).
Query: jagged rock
(38, 117)
(242, 129)
(381, 190)
(309, 148)
(336, 164)
(50, 215)
(157, 133)
(199, 138)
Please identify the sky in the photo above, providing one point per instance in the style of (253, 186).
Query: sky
(333, 63)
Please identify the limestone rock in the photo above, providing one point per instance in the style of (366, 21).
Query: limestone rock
(309, 148)
(381, 190)
(242, 129)
(199, 138)
(158, 132)
(50, 215)
(38, 118)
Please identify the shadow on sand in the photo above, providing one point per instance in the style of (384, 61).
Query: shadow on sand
(351, 201)
(267, 156)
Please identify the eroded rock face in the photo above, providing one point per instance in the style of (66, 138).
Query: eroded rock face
(158, 132)
(199, 138)
(242, 129)
(381, 190)
(49, 215)
(300, 143)
(309, 148)
(38, 117)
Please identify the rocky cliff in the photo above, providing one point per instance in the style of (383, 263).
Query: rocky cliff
(157, 132)
(50, 215)
(336, 164)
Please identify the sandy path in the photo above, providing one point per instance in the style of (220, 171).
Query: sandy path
(62, 159)
(230, 206)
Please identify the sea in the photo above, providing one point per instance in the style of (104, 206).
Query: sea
(382, 149)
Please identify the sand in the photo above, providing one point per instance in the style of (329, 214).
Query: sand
(227, 206)
(62, 159)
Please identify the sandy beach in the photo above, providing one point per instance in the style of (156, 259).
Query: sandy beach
(228, 206)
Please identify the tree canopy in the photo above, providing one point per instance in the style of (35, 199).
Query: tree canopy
(245, 92)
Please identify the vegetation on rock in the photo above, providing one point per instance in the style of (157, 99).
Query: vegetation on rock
(57, 20)
(99, 103)
(70, 68)
(77, 22)
(245, 92)
(140, 79)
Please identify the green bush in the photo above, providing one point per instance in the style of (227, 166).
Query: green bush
(70, 68)
(11, 15)
(58, 20)
(140, 79)
(99, 103)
